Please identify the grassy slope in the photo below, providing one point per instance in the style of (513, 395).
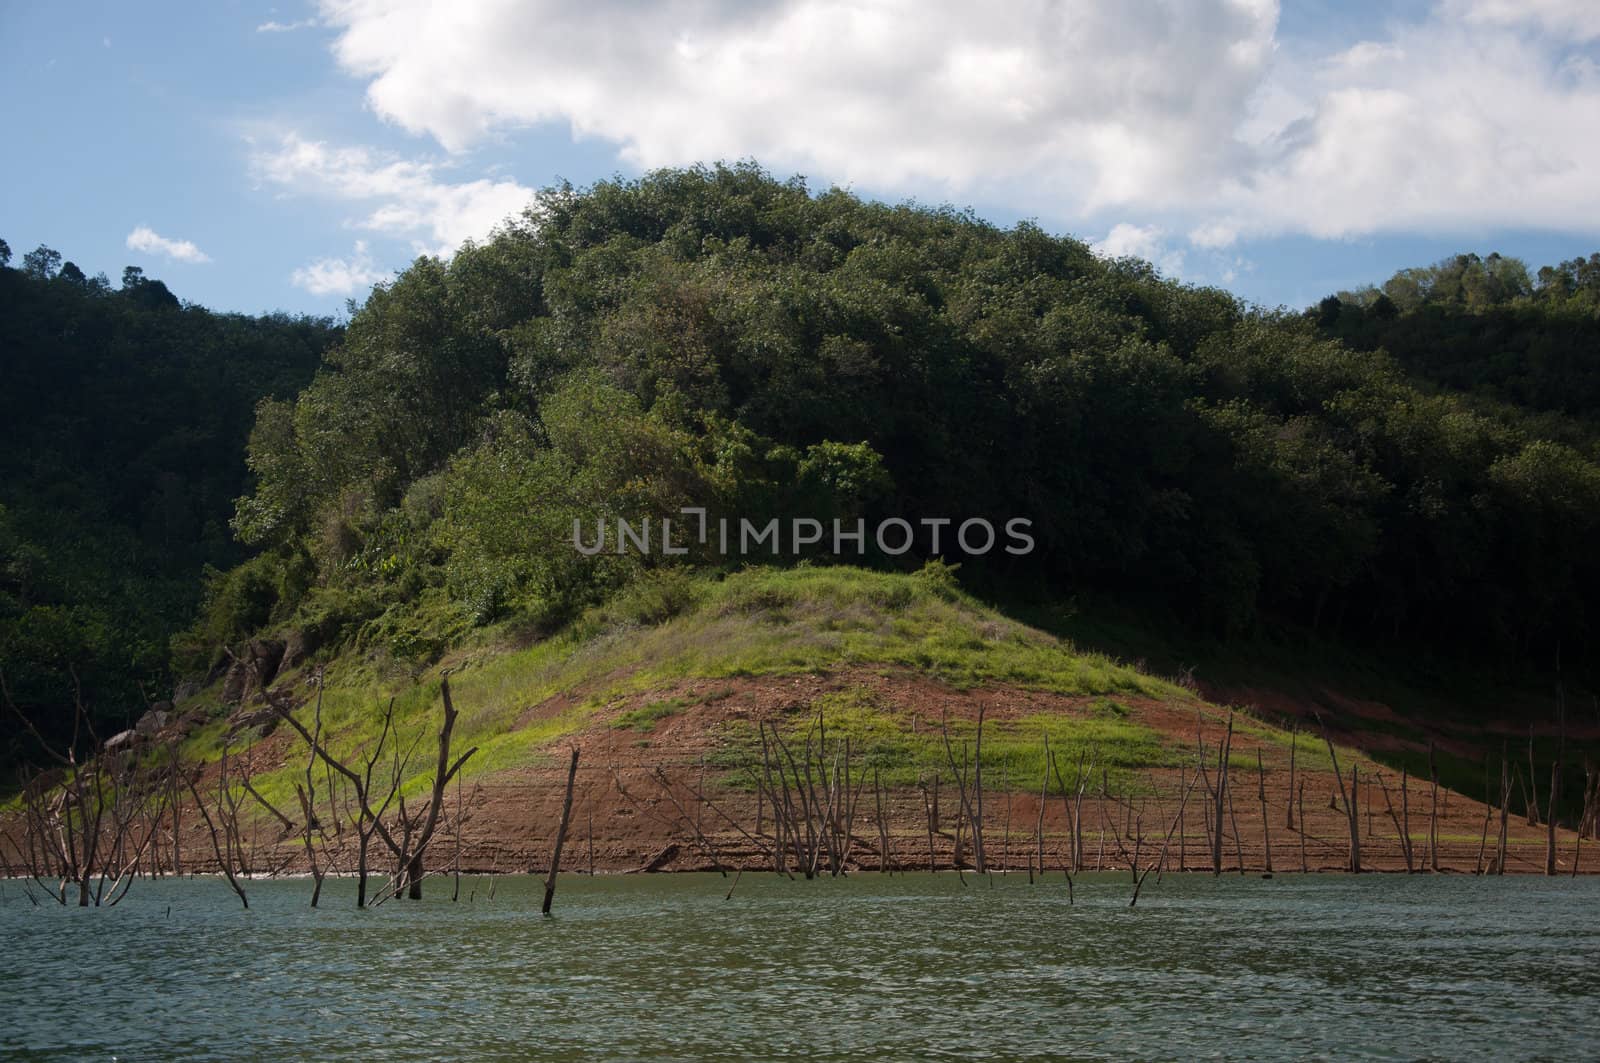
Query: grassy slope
(765, 623)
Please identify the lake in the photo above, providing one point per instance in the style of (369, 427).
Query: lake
(912, 966)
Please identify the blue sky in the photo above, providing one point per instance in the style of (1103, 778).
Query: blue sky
(261, 157)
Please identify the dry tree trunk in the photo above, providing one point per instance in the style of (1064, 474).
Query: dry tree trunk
(977, 788)
(1220, 796)
(444, 771)
(1488, 813)
(1351, 814)
(1294, 743)
(308, 798)
(1586, 817)
(1433, 812)
(883, 822)
(1505, 812)
(561, 834)
(1531, 791)
(217, 843)
(1044, 793)
(1138, 880)
(1555, 783)
(1302, 799)
(1261, 791)
(1238, 835)
(1005, 843)
(1404, 835)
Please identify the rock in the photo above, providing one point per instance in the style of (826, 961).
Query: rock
(236, 682)
(244, 719)
(122, 738)
(185, 690)
(260, 658)
(154, 721)
(268, 656)
(297, 646)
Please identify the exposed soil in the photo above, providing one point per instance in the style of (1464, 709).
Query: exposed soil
(625, 818)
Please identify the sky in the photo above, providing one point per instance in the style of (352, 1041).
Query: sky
(287, 157)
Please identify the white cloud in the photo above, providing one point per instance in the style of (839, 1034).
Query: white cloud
(339, 276)
(1569, 18)
(150, 242)
(1177, 114)
(1106, 103)
(403, 198)
(1148, 242)
(286, 27)
(1447, 126)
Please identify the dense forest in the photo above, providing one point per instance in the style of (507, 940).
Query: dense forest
(125, 417)
(1409, 466)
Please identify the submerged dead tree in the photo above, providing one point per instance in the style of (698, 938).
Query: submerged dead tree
(561, 835)
(1352, 815)
(88, 824)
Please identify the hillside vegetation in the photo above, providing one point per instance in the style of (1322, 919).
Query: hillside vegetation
(716, 338)
(123, 419)
(1412, 469)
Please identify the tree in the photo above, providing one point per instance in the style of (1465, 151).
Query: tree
(42, 262)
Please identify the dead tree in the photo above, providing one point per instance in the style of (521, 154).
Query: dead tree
(1139, 877)
(221, 830)
(883, 822)
(1352, 816)
(1402, 830)
(1261, 792)
(561, 835)
(89, 823)
(308, 800)
(1505, 813)
(1301, 797)
(1555, 782)
(369, 816)
(1220, 796)
(927, 808)
(1294, 745)
(1044, 793)
(1433, 811)
(969, 815)
(1531, 791)
(412, 861)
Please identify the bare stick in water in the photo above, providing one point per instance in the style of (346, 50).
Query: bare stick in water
(561, 834)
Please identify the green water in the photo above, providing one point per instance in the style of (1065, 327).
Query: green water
(896, 968)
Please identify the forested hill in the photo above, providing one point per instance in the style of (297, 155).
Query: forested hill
(123, 420)
(1489, 328)
(717, 338)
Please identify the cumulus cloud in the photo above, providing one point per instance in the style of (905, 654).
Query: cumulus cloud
(402, 197)
(150, 242)
(1472, 115)
(339, 276)
(1109, 102)
(1148, 242)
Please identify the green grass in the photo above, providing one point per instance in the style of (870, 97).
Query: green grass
(757, 622)
(645, 717)
(904, 750)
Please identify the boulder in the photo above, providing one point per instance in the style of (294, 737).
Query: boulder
(268, 656)
(153, 722)
(260, 658)
(298, 645)
(122, 738)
